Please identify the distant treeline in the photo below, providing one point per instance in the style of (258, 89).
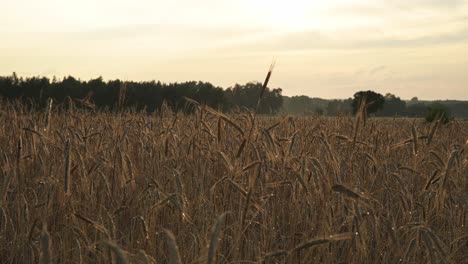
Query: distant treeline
(392, 107)
(148, 96)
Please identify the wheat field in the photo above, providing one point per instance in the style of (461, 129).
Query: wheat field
(125, 187)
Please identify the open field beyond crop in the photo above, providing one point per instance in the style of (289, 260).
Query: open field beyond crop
(84, 187)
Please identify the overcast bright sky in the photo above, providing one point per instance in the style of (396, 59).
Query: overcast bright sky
(328, 49)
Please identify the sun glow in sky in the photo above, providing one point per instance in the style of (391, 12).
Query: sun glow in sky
(328, 49)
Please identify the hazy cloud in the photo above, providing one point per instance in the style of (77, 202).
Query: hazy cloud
(314, 40)
(377, 70)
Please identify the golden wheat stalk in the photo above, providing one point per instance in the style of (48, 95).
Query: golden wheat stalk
(67, 180)
(174, 255)
(213, 242)
(46, 246)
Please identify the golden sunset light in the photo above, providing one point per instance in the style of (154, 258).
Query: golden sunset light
(240, 131)
(323, 48)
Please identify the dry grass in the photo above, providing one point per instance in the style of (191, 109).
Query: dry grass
(134, 188)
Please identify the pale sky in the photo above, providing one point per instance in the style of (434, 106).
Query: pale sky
(328, 49)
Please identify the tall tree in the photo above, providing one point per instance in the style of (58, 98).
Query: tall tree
(393, 106)
(374, 102)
